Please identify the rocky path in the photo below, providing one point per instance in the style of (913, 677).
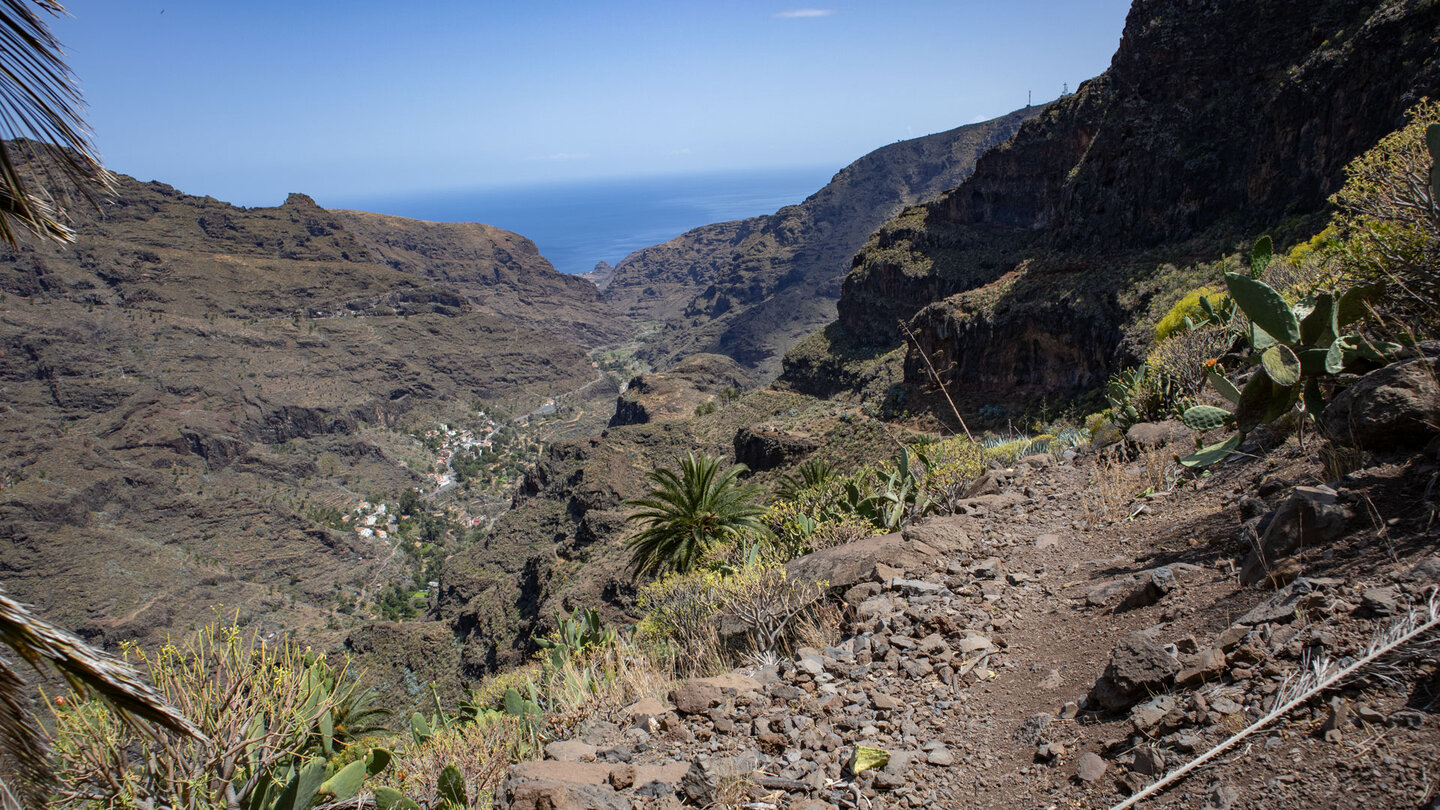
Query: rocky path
(1026, 654)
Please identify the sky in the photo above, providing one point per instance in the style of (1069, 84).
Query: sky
(248, 101)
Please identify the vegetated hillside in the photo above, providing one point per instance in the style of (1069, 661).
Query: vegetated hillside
(195, 393)
(563, 545)
(1021, 281)
(750, 288)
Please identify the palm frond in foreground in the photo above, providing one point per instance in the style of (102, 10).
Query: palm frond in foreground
(40, 99)
(24, 752)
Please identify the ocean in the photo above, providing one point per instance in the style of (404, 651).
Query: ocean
(580, 223)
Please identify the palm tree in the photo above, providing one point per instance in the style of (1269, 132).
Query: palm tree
(39, 98)
(683, 516)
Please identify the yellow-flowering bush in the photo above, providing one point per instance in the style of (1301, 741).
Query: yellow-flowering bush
(1188, 307)
(1390, 222)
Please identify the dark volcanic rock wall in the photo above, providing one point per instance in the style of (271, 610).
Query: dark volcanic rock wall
(1243, 113)
(1214, 122)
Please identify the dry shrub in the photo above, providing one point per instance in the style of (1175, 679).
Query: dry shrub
(1390, 221)
(769, 603)
(684, 614)
(1116, 481)
(481, 751)
(820, 628)
(1182, 356)
(679, 623)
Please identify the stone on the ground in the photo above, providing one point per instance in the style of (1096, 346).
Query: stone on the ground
(552, 795)
(641, 712)
(570, 751)
(1148, 761)
(702, 782)
(1380, 601)
(847, 565)
(1301, 521)
(1154, 585)
(949, 534)
(1206, 665)
(699, 694)
(1157, 434)
(1138, 667)
(1090, 767)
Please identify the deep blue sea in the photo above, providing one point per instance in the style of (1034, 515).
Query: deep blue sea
(578, 224)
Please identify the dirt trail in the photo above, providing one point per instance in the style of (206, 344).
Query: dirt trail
(1040, 592)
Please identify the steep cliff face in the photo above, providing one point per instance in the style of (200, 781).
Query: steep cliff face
(1241, 114)
(1214, 122)
(750, 288)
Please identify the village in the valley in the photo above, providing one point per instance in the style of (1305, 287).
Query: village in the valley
(379, 520)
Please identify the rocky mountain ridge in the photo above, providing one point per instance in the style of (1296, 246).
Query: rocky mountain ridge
(193, 394)
(750, 288)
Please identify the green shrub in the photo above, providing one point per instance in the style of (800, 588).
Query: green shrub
(268, 714)
(1186, 312)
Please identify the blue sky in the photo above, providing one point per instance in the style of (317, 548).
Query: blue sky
(246, 101)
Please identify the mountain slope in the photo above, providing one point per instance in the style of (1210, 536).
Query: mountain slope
(193, 393)
(750, 288)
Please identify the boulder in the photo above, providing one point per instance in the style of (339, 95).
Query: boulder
(550, 785)
(1157, 434)
(641, 712)
(947, 534)
(1152, 588)
(1393, 408)
(1090, 767)
(570, 751)
(843, 567)
(703, 780)
(761, 447)
(700, 694)
(552, 795)
(1309, 518)
(1138, 667)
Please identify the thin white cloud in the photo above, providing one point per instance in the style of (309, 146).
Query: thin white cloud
(562, 156)
(804, 13)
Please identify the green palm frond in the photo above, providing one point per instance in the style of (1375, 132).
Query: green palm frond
(810, 474)
(40, 99)
(683, 516)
